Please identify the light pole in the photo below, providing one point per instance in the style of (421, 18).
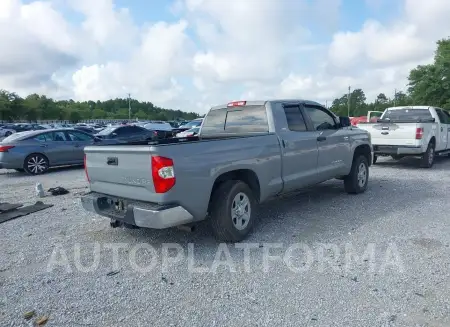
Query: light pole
(348, 102)
(129, 106)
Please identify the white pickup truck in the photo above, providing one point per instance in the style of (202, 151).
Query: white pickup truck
(410, 131)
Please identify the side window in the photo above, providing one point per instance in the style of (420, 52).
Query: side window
(447, 115)
(295, 119)
(123, 131)
(442, 117)
(58, 136)
(321, 119)
(76, 136)
(43, 137)
(135, 130)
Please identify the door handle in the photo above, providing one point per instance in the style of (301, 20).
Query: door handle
(77, 145)
(345, 137)
(321, 138)
(44, 145)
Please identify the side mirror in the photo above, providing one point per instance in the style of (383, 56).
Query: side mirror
(344, 121)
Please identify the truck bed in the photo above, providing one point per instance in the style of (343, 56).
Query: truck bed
(398, 133)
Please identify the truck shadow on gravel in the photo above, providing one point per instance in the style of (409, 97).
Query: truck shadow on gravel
(52, 170)
(313, 214)
(440, 163)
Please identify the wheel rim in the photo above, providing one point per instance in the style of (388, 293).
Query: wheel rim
(36, 164)
(240, 211)
(362, 175)
(431, 156)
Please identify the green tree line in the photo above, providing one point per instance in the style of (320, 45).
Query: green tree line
(427, 85)
(39, 107)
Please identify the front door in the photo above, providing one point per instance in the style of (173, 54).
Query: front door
(299, 151)
(443, 131)
(447, 120)
(333, 143)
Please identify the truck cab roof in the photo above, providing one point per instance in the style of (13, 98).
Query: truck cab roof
(263, 102)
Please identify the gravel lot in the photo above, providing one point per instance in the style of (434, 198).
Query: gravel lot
(403, 217)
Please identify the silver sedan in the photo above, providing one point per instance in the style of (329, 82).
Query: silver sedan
(36, 151)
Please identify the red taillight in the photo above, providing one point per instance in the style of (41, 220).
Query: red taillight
(236, 103)
(163, 174)
(5, 148)
(85, 169)
(419, 133)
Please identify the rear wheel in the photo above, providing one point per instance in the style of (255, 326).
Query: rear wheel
(427, 160)
(356, 182)
(36, 164)
(233, 211)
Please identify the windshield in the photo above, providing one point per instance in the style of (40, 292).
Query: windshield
(407, 114)
(108, 130)
(193, 130)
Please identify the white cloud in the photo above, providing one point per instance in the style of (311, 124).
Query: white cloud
(217, 50)
(377, 58)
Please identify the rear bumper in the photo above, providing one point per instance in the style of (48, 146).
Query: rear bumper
(397, 150)
(137, 213)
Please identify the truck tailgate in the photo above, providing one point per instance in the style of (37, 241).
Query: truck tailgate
(392, 133)
(122, 171)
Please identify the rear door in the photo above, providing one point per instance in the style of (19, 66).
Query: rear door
(299, 150)
(55, 146)
(333, 142)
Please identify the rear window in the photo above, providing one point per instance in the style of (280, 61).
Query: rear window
(236, 120)
(408, 114)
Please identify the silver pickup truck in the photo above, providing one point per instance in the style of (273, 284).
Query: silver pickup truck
(246, 153)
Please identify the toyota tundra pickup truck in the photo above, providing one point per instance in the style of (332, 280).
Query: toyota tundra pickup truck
(421, 131)
(246, 153)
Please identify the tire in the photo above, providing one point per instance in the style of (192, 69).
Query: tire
(396, 157)
(374, 161)
(227, 227)
(356, 182)
(427, 160)
(30, 166)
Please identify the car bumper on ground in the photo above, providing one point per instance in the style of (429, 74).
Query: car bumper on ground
(397, 150)
(136, 213)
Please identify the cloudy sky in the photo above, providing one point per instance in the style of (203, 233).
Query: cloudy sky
(191, 54)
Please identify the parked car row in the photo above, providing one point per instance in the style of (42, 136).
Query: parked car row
(34, 148)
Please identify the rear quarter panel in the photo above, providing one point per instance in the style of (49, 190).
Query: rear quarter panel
(198, 165)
